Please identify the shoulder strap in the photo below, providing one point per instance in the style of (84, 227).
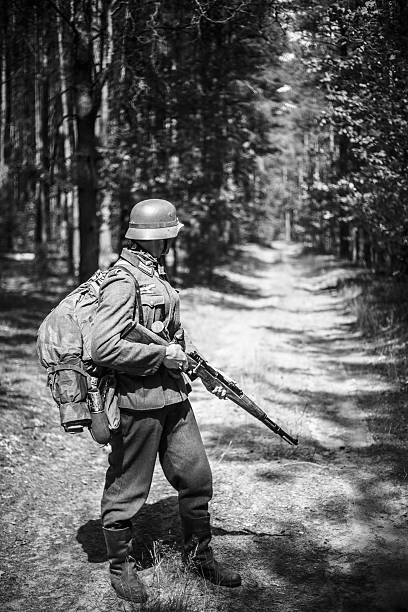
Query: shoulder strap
(138, 301)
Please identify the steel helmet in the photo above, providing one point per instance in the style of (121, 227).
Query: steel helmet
(153, 220)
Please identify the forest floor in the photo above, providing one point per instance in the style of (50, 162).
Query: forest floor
(319, 527)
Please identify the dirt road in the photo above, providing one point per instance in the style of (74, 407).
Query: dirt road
(321, 527)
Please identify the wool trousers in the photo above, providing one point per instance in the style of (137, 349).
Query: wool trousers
(172, 434)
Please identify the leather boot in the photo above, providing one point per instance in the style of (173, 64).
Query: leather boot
(199, 556)
(122, 566)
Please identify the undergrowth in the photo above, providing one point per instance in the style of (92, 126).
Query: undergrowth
(171, 586)
(380, 308)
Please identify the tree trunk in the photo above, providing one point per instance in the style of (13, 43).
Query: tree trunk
(41, 93)
(70, 200)
(45, 151)
(344, 240)
(367, 250)
(356, 245)
(7, 219)
(288, 225)
(3, 97)
(105, 57)
(87, 104)
(3, 167)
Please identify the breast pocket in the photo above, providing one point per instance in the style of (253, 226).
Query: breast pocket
(153, 309)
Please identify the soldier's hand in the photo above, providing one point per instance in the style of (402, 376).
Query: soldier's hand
(217, 390)
(220, 392)
(175, 358)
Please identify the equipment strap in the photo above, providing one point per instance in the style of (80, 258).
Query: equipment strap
(66, 366)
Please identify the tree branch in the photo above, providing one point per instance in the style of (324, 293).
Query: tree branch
(204, 14)
(63, 15)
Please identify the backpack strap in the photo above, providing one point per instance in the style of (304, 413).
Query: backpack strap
(138, 302)
(66, 366)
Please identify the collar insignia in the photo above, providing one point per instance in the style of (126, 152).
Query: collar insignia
(145, 268)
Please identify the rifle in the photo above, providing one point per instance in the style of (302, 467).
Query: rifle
(135, 332)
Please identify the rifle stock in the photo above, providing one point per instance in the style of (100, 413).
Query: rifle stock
(135, 332)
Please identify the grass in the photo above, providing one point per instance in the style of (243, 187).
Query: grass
(172, 587)
(380, 308)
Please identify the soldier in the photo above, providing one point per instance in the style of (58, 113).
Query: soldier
(156, 416)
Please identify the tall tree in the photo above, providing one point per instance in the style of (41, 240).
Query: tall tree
(88, 83)
(124, 100)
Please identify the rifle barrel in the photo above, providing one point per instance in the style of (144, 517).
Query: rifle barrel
(281, 432)
(247, 404)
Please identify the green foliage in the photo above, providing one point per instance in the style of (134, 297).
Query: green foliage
(190, 127)
(179, 89)
(248, 115)
(355, 187)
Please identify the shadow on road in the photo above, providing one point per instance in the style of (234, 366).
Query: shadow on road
(298, 567)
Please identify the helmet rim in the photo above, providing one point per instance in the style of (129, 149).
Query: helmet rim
(153, 233)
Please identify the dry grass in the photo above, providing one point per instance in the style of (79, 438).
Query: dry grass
(172, 586)
(381, 305)
(381, 312)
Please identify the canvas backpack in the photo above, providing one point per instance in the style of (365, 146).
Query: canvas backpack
(64, 349)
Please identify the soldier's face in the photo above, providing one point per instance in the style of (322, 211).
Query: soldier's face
(154, 247)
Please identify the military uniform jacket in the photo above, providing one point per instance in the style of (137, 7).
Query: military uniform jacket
(143, 382)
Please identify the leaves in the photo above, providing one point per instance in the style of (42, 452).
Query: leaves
(358, 147)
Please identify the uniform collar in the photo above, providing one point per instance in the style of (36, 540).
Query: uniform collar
(134, 257)
(144, 261)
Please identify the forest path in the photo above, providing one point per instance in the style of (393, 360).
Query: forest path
(317, 527)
